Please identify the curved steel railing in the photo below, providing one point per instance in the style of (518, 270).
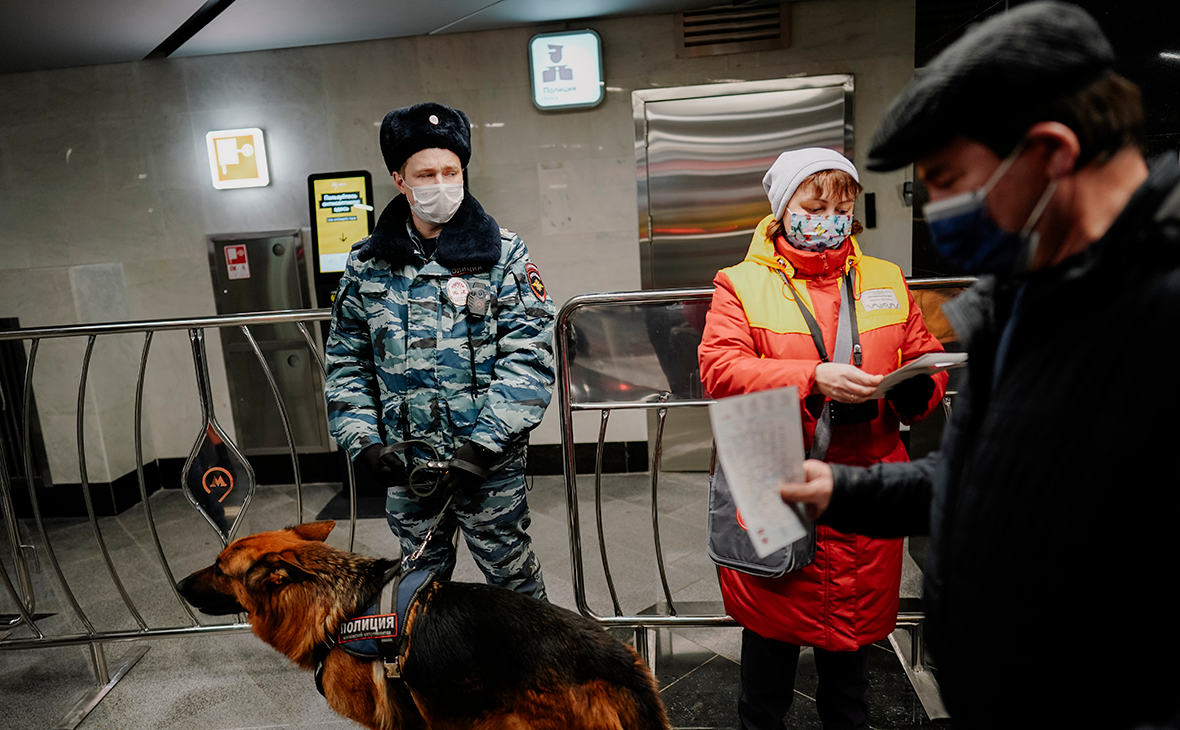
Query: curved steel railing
(628, 336)
(624, 397)
(657, 351)
(24, 632)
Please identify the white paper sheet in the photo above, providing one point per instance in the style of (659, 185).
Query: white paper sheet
(928, 364)
(759, 440)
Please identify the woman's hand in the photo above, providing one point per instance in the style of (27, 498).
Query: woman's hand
(845, 383)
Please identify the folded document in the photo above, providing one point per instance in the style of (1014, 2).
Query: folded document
(928, 364)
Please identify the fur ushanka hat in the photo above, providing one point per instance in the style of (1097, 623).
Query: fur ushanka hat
(412, 129)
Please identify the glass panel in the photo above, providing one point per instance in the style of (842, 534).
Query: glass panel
(637, 353)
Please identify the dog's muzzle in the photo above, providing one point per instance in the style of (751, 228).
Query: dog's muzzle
(198, 590)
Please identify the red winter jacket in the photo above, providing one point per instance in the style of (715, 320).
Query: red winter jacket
(755, 339)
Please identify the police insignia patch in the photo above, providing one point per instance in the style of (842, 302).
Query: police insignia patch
(535, 283)
(368, 627)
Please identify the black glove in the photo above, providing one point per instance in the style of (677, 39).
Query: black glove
(386, 468)
(910, 397)
(469, 468)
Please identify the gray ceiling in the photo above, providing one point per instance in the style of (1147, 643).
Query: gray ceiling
(46, 34)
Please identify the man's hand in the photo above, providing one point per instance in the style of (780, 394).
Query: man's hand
(386, 468)
(815, 492)
(468, 469)
(845, 383)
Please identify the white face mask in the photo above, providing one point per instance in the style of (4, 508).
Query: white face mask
(437, 203)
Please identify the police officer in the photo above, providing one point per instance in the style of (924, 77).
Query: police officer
(442, 334)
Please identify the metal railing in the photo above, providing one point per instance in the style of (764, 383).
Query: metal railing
(623, 352)
(615, 352)
(637, 351)
(24, 632)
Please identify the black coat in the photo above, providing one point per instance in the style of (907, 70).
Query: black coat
(1053, 503)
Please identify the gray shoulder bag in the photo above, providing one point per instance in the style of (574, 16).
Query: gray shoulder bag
(730, 547)
(726, 540)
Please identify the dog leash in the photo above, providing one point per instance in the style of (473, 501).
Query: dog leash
(422, 548)
(423, 490)
(433, 468)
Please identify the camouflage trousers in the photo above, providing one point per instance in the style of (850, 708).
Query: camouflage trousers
(493, 521)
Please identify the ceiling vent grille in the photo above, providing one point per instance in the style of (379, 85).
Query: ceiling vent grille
(728, 29)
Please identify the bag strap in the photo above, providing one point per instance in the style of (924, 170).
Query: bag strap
(812, 326)
(847, 348)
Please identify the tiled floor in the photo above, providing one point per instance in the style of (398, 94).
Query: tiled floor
(234, 682)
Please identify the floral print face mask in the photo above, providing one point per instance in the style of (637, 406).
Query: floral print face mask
(816, 232)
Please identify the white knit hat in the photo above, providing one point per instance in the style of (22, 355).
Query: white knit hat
(793, 167)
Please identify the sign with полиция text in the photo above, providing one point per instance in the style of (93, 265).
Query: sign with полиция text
(566, 69)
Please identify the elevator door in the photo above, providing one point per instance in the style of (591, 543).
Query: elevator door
(703, 151)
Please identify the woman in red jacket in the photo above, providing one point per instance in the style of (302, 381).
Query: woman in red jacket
(773, 323)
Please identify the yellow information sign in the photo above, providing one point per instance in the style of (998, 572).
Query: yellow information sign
(342, 211)
(237, 158)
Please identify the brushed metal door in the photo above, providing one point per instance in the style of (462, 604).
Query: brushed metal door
(702, 153)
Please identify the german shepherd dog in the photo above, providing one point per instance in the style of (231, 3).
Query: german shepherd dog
(472, 656)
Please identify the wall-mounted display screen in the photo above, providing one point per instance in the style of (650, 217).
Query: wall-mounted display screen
(341, 215)
(566, 69)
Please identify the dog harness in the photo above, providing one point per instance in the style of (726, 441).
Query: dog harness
(377, 633)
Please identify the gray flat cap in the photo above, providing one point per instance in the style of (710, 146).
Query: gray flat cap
(1003, 72)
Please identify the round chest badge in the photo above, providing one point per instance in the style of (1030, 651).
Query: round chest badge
(535, 283)
(457, 291)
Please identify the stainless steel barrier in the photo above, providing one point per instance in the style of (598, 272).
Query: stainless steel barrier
(637, 351)
(618, 352)
(615, 352)
(226, 465)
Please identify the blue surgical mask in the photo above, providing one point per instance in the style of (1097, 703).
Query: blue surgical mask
(964, 233)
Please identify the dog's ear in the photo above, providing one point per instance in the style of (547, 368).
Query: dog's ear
(314, 530)
(276, 569)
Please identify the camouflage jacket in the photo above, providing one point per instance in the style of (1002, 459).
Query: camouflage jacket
(407, 359)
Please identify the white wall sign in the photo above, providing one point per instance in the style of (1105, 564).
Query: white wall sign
(237, 158)
(566, 69)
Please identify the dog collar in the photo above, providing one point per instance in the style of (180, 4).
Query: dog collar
(377, 632)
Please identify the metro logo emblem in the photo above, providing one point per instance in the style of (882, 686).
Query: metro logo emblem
(218, 478)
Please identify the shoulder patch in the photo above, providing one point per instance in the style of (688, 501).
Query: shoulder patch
(535, 283)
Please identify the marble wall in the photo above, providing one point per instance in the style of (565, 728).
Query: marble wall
(105, 199)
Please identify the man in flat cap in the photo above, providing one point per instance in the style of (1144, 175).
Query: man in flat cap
(1053, 502)
(440, 358)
